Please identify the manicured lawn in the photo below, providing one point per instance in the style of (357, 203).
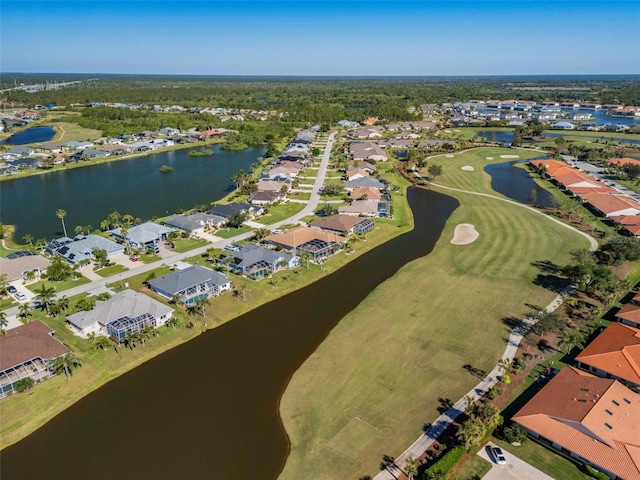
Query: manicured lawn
(148, 258)
(545, 460)
(472, 468)
(280, 212)
(299, 195)
(73, 131)
(59, 286)
(112, 270)
(231, 232)
(186, 244)
(389, 361)
(7, 302)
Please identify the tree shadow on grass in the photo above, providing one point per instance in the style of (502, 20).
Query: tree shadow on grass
(550, 282)
(546, 266)
(445, 404)
(476, 372)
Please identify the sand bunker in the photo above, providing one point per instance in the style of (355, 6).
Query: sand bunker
(464, 234)
(448, 155)
(489, 158)
(447, 131)
(509, 156)
(467, 168)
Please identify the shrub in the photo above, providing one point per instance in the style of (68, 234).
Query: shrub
(24, 384)
(514, 433)
(448, 460)
(494, 392)
(592, 472)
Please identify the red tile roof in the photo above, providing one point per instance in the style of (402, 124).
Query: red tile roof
(29, 341)
(616, 351)
(608, 203)
(624, 161)
(630, 312)
(596, 418)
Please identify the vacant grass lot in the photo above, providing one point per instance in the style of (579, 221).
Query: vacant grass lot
(383, 371)
(280, 212)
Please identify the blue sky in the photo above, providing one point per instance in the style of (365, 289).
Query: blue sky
(321, 37)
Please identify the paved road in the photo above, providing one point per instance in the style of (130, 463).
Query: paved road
(515, 469)
(311, 206)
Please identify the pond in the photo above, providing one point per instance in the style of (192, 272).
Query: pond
(517, 184)
(135, 186)
(209, 408)
(30, 135)
(505, 137)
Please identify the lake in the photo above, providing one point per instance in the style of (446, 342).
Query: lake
(134, 186)
(517, 184)
(506, 137)
(30, 135)
(208, 409)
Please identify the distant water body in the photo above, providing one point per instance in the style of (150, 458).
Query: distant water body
(30, 135)
(134, 186)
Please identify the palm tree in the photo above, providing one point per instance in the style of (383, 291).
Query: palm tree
(130, 340)
(67, 363)
(41, 244)
(150, 331)
(471, 432)
(46, 295)
(60, 213)
(411, 467)
(24, 312)
(28, 238)
(571, 338)
(3, 320)
(200, 306)
(63, 303)
(102, 343)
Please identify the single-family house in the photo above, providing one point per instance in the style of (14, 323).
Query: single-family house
(348, 124)
(630, 313)
(364, 208)
(354, 173)
(344, 225)
(367, 151)
(266, 198)
(75, 145)
(563, 126)
(257, 262)
(18, 152)
(615, 353)
(364, 182)
(125, 312)
(195, 222)
(81, 247)
(591, 419)
(168, 132)
(22, 264)
(143, 236)
(368, 167)
(226, 211)
(191, 284)
(305, 240)
(395, 143)
(271, 186)
(27, 351)
(365, 193)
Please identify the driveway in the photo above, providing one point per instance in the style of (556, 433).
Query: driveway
(515, 469)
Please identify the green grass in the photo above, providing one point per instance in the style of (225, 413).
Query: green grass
(59, 286)
(473, 467)
(7, 302)
(299, 195)
(546, 460)
(148, 258)
(232, 232)
(185, 244)
(112, 270)
(388, 365)
(280, 212)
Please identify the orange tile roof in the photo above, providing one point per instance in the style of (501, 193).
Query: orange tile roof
(574, 177)
(551, 166)
(370, 192)
(596, 418)
(630, 312)
(299, 235)
(608, 203)
(581, 191)
(616, 351)
(624, 161)
(631, 223)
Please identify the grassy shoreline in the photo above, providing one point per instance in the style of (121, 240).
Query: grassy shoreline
(24, 413)
(383, 371)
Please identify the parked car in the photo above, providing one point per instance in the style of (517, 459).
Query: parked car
(11, 289)
(20, 296)
(497, 455)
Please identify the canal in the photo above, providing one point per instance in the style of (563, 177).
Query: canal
(517, 184)
(134, 186)
(209, 408)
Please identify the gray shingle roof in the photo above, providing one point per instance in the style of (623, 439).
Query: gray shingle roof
(181, 280)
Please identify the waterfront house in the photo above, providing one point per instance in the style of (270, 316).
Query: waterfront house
(271, 186)
(125, 312)
(27, 351)
(191, 284)
(615, 353)
(364, 208)
(81, 247)
(226, 211)
(21, 265)
(257, 262)
(344, 225)
(19, 152)
(305, 240)
(266, 198)
(563, 126)
(195, 222)
(143, 236)
(591, 419)
(364, 182)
